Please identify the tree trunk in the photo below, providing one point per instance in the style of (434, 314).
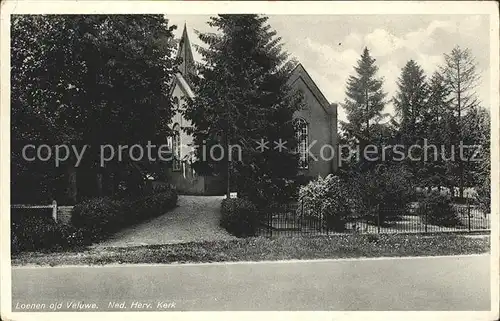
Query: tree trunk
(71, 190)
(99, 179)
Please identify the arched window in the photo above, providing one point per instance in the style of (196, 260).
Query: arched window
(301, 134)
(176, 148)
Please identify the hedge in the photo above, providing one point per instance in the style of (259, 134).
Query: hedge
(100, 217)
(239, 217)
(40, 232)
(92, 220)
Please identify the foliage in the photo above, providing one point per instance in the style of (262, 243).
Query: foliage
(100, 217)
(436, 128)
(437, 209)
(239, 217)
(364, 103)
(36, 231)
(328, 198)
(383, 193)
(243, 98)
(461, 76)
(410, 101)
(87, 80)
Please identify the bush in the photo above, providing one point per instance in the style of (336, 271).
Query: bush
(163, 188)
(33, 232)
(327, 199)
(91, 220)
(437, 209)
(152, 206)
(99, 217)
(383, 194)
(37, 232)
(239, 217)
(483, 196)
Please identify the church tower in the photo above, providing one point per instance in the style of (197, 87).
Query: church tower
(187, 66)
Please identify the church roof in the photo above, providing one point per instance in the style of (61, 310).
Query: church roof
(185, 52)
(299, 72)
(183, 84)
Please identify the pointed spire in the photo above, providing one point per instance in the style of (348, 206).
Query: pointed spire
(187, 66)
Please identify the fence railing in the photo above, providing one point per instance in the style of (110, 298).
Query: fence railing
(299, 219)
(52, 206)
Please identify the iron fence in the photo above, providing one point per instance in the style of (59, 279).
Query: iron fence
(301, 219)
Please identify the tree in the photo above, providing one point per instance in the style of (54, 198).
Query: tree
(410, 102)
(89, 80)
(461, 76)
(243, 97)
(365, 101)
(476, 132)
(437, 125)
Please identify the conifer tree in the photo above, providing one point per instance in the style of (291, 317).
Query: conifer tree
(365, 97)
(365, 102)
(437, 131)
(410, 101)
(461, 76)
(242, 98)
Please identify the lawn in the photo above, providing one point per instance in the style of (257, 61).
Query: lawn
(260, 249)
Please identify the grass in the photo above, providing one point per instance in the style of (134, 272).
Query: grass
(260, 249)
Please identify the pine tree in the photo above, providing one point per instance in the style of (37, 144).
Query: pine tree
(365, 97)
(410, 101)
(365, 102)
(242, 98)
(460, 75)
(437, 130)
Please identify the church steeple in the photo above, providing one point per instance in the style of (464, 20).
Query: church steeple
(187, 67)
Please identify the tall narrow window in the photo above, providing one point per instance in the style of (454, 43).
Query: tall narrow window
(176, 148)
(301, 134)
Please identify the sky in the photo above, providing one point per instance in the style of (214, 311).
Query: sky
(328, 46)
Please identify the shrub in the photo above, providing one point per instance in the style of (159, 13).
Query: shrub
(152, 206)
(483, 196)
(383, 194)
(92, 219)
(34, 232)
(239, 217)
(437, 209)
(98, 216)
(163, 188)
(327, 199)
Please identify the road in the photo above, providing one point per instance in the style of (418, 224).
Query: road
(440, 283)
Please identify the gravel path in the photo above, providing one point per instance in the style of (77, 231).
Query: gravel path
(195, 219)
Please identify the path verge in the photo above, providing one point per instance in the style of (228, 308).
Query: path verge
(265, 249)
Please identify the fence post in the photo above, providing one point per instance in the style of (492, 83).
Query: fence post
(425, 218)
(54, 210)
(468, 213)
(378, 218)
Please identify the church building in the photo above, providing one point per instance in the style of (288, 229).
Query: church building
(316, 128)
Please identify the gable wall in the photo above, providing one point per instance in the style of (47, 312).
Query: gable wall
(320, 129)
(186, 139)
